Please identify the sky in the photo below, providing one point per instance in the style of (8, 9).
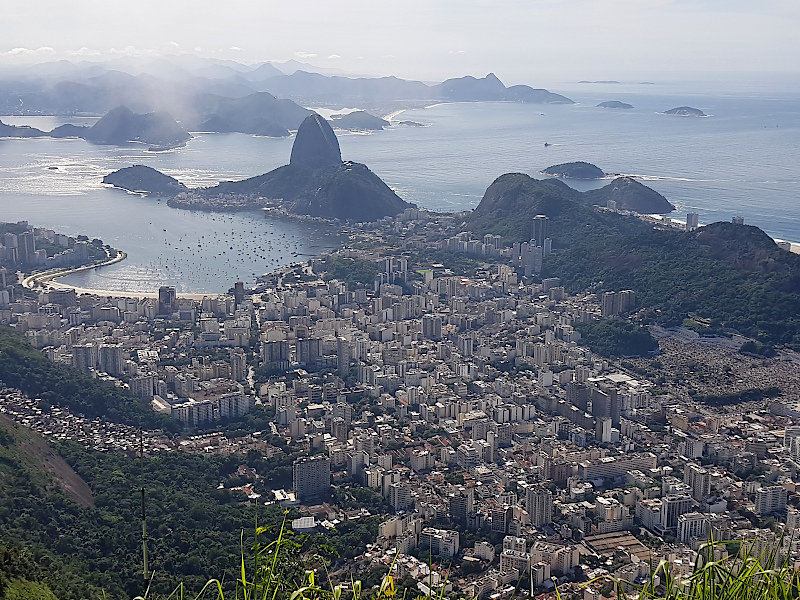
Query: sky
(520, 40)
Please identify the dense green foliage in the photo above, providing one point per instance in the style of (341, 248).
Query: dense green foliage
(748, 395)
(21, 577)
(22, 589)
(194, 526)
(745, 575)
(611, 337)
(355, 272)
(23, 367)
(459, 264)
(733, 276)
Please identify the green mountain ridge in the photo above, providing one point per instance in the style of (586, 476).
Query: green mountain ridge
(733, 275)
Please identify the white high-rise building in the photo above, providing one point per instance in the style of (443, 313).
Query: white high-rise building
(771, 500)
(311, 477)
(539, 502)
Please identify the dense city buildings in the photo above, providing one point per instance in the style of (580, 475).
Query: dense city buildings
(462, 403)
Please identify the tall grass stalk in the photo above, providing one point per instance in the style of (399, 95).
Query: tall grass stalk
(743, 576)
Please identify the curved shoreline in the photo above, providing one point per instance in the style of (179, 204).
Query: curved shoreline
(39, 278)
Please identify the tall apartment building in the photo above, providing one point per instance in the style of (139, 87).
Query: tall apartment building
(540, 227)
(616, 303)
(432, 327)
(311, 477)
(238, 365)
(167, 299)
(442, 542)
(771, 500)
(539, 502)
(699, 479)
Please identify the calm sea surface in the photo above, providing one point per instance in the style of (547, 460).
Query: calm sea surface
(744, 159)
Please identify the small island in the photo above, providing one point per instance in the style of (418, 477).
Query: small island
(359, 120)
(614, 104)
(575, 170)
(144, 180)
(685, 111)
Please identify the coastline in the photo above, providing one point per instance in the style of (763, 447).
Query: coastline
(49, 279)
(45, 277)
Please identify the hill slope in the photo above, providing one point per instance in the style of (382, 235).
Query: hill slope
(629, 194)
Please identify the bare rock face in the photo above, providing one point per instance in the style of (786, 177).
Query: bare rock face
(315, 145)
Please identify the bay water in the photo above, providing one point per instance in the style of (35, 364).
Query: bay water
(743, 159)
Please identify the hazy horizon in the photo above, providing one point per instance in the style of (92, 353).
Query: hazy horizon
(522, 42)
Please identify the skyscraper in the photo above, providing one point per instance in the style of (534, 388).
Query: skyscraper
(27, 247)
(540, 229)
(432, 327)
(166, 299)
(691, 221)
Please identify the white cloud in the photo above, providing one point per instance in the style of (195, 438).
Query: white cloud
(84, 51)
(236, 49)
(457, 52)
(334, 57)
(133, 51)
(28, 52)
(174, 44)
(305, 55)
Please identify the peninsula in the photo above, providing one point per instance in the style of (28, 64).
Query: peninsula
(315, 183)
(625, 193)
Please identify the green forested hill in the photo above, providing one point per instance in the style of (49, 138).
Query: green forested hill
(25, 368)
(194, 527)
(733, 276)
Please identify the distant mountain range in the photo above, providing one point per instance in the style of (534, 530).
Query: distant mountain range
(201, 92)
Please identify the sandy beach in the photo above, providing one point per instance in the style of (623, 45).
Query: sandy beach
(118, 294)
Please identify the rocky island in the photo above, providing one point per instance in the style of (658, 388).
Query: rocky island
(685, 111)
(574, 170)
(144, 180)
(316, 183)
(616, 104)
(359, 120)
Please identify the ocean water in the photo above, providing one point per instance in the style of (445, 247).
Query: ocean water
(743, 159)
